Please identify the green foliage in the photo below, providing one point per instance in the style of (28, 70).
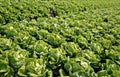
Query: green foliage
(45, 38)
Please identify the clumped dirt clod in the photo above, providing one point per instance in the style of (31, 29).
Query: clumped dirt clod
(52, 13)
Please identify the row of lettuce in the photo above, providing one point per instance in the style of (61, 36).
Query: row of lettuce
(19, 10)
(83, 39)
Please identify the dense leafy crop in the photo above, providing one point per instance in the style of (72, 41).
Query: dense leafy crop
(79, 38)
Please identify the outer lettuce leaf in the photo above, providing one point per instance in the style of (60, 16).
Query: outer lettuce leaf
(55, 40)
(78, 67)
(71, 48)
(82, 41)
(43, 34)
(33, 68)
(39, 49)
(17, 58)
(56, 56)
(5, 44)
(97, 47)
(5, 69)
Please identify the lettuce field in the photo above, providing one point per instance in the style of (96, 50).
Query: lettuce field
(59, 38)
